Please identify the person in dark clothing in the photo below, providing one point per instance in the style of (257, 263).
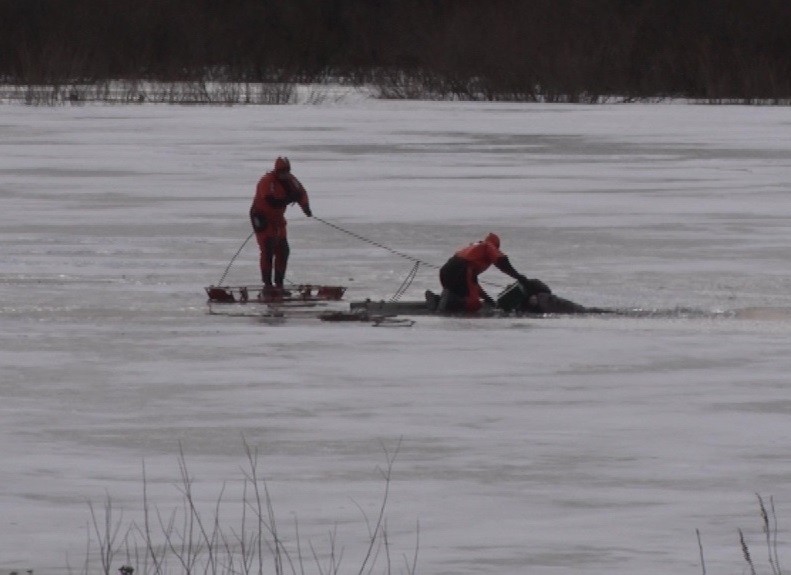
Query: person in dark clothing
(459, 277)
(536, 298)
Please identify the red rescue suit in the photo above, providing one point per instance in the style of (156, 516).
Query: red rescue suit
(274, 192)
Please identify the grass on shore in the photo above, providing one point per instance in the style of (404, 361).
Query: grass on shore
(187, 541)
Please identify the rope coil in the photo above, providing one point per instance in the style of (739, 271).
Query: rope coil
(406, 283)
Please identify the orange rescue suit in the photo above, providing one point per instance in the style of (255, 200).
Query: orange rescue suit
(480, 255)
(274, 192)
(272, 195)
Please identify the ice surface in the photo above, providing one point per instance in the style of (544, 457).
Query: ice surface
(547, 446)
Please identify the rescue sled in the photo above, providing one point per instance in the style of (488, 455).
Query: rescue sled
(267, 294)
(267, 301)
(363, 315)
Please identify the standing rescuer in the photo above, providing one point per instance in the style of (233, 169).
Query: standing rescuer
(274, 192)
(459, 276)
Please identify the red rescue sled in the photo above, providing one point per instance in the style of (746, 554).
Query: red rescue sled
(269, 295)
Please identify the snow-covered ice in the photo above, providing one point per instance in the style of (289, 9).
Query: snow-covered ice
(540, 445)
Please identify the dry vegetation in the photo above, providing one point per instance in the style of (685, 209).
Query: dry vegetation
(520, 50)
(189, 539)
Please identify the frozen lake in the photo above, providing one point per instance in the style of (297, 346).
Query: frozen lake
(592, 445)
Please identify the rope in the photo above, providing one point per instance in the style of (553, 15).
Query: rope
(412, 273)
(236, 255)
(377, 244)
(406, 283)
(418, 262)
(401, 289)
